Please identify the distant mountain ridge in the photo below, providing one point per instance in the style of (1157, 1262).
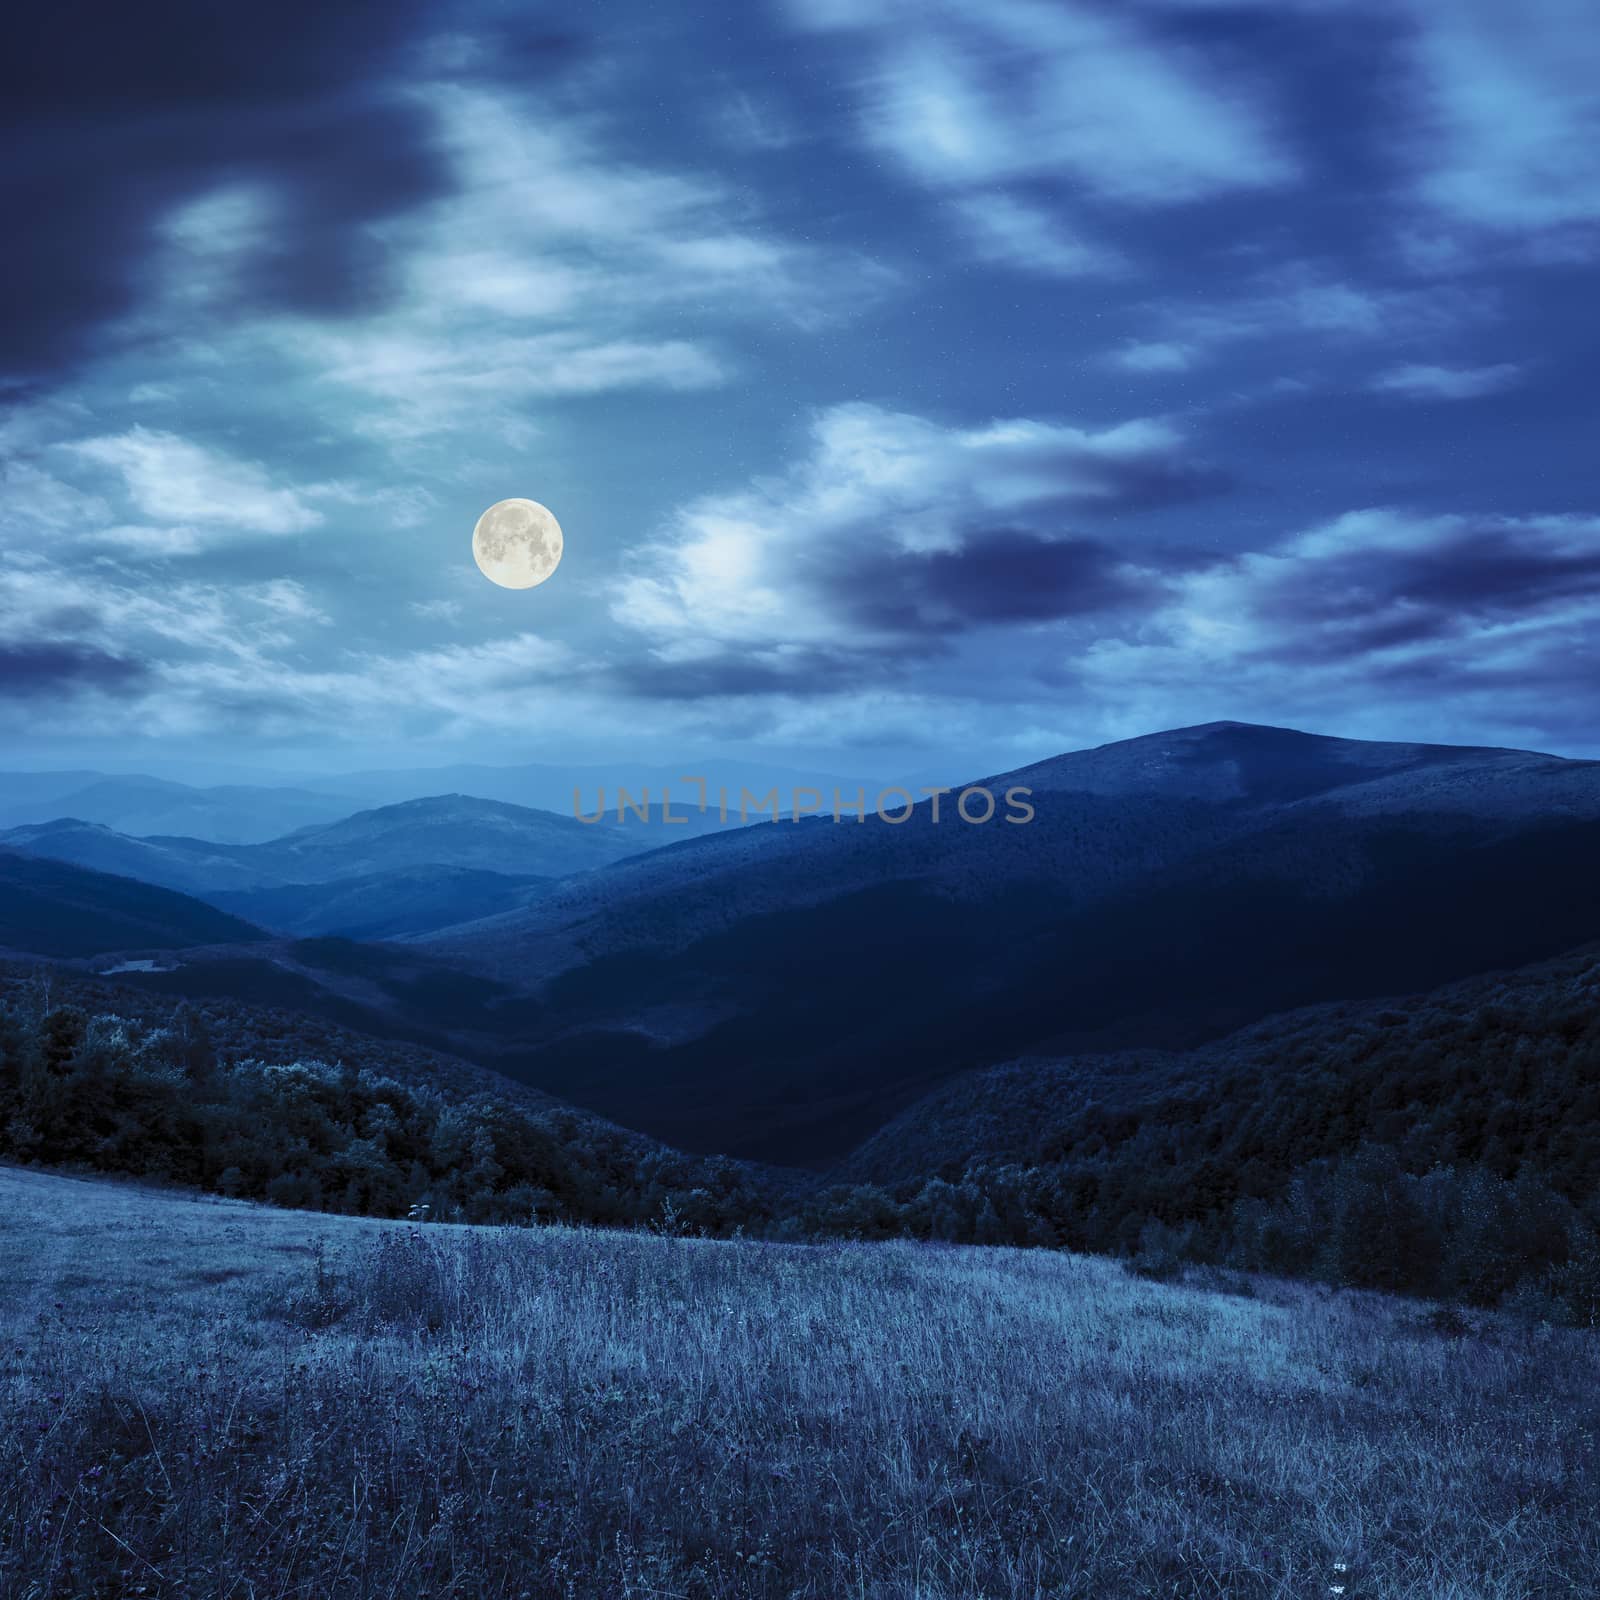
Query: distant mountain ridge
(456, 831)
(240, 812)
(141, 806)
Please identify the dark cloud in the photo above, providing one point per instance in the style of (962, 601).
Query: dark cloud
(731, 672)
(1098, 482)
(1008, 575)
(43, 668)
(112, 115)
(1383, 596)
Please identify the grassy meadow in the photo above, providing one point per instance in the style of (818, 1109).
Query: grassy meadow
(211, 1399)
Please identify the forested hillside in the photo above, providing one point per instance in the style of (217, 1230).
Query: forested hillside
(265, 1106)
(1447, 1145)
(49, 908)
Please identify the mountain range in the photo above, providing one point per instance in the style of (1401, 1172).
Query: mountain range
(140, 805)
(783, 990)
(445, 831)
(258, 813)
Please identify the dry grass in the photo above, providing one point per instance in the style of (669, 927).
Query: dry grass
(207, 1399)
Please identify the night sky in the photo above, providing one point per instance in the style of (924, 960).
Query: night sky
(914, 380)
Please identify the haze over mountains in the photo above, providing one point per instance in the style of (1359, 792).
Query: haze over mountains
(458, 831)
(139, 805)
(256, 813)
(781, 990)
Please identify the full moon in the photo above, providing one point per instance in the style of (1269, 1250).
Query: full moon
(517, 543)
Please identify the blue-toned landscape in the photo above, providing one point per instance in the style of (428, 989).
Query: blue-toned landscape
(800, 801)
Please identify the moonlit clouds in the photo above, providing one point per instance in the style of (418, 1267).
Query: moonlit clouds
(1478, 618)
(976, 99)
(545, 273)
(171, 479)
(199, 659)
(894, 532)
(965, 93)
(993, 374)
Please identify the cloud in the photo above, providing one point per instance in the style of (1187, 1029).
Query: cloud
(747, 122)
(969, 93)
(891, 535)
(113, 610)
(979, 99)
(40, 500)
(283, 597)
(1418, 382)
(130, 127)
(1300, 301)
(1153, 356)
(175, 480)
(39, 669)
(575, 228)
(483, 687)
(199, 659)
(1481, 619)
(547, 272)
(433, 384)
(1029, 238)
(1509, 128)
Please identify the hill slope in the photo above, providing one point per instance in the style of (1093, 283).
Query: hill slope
(451, 830)
(52, 909)
(561, 1403)
(1511, 1059)
(384, 905)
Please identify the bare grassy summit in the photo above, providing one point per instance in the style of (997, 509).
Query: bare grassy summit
(205, 1398)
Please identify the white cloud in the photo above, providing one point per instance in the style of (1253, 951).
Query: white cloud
(977, 92)
(433, 384)
(1153, 356)
(176, 481)
(229, 658)
(761, 566)
(286, 598)
(1013, 233)
(39, 500)
(1510, 134)
(546, 273)
(1420, 382)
